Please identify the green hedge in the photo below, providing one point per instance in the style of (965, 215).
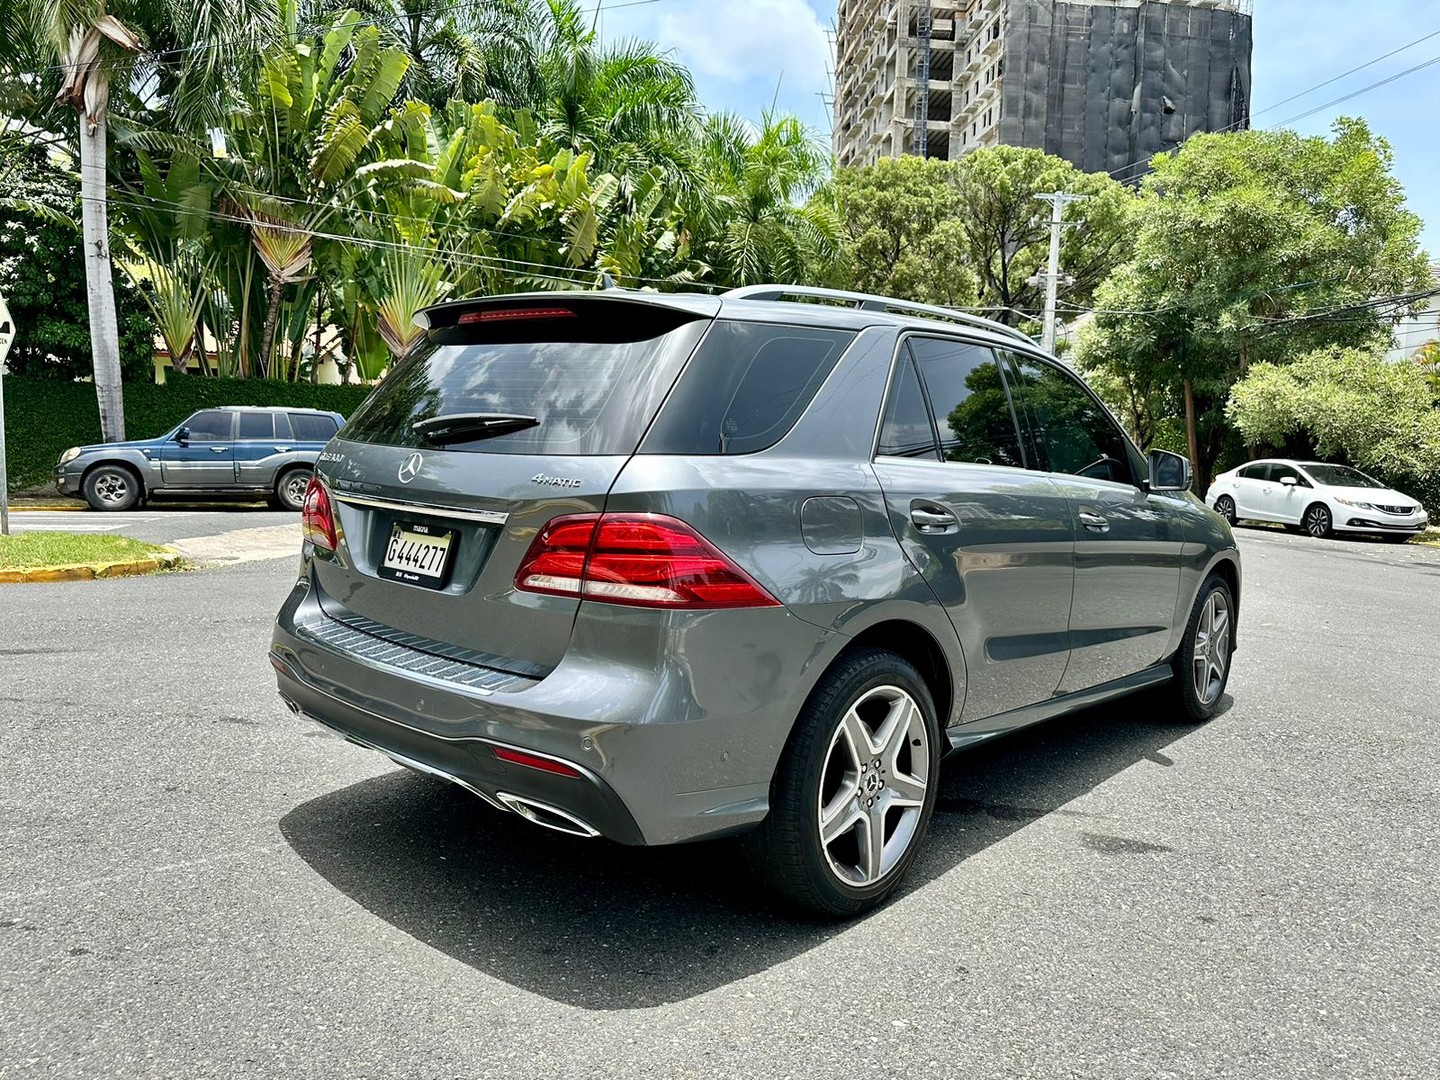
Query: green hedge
(45, 416)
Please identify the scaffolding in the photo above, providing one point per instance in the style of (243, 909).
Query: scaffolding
(922, 78)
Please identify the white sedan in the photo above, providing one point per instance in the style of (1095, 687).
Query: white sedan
(1321, 499)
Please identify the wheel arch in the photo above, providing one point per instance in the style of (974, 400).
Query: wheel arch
(916, 646)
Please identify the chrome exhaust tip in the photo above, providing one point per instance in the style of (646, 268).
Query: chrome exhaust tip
(550, 817)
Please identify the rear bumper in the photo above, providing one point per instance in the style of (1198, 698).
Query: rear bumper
(661, 760)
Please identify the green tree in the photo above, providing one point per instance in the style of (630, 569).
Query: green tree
(1254, 247)
(903, 235)
(89, 48)
(42, 276)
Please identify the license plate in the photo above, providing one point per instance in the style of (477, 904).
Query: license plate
(418, 554)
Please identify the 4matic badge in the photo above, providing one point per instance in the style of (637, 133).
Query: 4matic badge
(554, 481)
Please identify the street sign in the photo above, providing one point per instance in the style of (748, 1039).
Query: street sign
(7, 336)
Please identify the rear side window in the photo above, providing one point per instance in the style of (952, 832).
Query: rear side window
(256, 425)
(745, 387)
(309, 427)
(907, 431)
(1255, 472)
(972, 410)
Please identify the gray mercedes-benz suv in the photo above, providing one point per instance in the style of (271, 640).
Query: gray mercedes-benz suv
(664, 567)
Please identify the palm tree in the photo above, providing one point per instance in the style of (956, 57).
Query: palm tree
(151, 53)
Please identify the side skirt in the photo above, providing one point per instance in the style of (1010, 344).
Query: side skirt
(978, 731)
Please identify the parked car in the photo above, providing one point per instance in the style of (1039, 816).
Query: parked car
(664, 567)
(235, 450)
(1319, 498)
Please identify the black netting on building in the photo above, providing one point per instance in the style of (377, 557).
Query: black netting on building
(1106, 87)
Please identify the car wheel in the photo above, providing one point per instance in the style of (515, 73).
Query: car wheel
(1202, 664)
(1316, 521)
(855, 788)
(1225, 507)
(111, 487)
(290, 488)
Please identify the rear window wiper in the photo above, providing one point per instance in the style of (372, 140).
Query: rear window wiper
(470, 427)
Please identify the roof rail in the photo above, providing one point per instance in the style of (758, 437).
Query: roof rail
(872, 302)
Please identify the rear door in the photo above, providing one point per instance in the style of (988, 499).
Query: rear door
(992, 539)
(258, 447)
(1127, 542)
(207, 457)
(434, 527)
(1279, 501)
(1249, 482)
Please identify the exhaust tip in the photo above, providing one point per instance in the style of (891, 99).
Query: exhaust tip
(550, 817)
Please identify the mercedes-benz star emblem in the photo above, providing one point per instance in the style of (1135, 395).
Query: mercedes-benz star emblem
(410, 468)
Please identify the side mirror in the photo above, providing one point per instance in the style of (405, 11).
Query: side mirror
(183, 436)
(1288, 481)
(1169, 472)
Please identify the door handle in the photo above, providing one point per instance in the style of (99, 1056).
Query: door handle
(932, 519)
(219, 449)
(282, 449)
(1093, 521)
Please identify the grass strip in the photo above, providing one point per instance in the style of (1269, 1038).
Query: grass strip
(29, 550)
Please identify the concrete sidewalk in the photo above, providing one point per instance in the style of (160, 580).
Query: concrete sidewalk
(241, 545)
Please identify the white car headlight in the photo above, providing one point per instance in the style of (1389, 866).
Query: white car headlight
(1352, 502)
(69, 455)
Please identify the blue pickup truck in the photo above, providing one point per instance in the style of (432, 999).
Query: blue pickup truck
(229, 451)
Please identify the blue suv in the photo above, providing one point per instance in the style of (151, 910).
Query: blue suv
(228, 451)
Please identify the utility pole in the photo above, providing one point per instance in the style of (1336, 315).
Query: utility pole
(7, 336)
(1058, 201)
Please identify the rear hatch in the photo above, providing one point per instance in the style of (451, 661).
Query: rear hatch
(516, 411)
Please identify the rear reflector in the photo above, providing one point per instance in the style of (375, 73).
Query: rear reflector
(644, 560)
(535, 761)
(317, 516)
(471, 317)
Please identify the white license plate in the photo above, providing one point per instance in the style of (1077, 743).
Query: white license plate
(418, 554)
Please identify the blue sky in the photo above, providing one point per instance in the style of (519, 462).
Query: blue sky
(747, 53)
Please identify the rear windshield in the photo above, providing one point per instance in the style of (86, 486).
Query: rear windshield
(745, 388)
(590, 397)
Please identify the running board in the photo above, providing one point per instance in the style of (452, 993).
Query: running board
(978, 731)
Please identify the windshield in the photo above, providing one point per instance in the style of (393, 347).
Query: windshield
(1339, 476)
(576, 397)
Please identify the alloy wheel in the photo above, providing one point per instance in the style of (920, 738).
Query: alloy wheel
(293, 490)
(1212, 648)
(112, 488)
(872, 791)
(1225, 507)
(1317, 521)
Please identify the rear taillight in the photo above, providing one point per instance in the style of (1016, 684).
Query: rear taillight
(317, 516)
(647, 560)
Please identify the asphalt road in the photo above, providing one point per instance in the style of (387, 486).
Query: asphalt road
(158, 523)
(194, 884)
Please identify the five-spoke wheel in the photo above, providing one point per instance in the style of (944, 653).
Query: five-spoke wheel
(855, 787)
(111, 487)
(290, 489)
(1202, 664)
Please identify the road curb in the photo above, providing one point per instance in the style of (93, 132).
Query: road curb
(58, 507)
(89, 571)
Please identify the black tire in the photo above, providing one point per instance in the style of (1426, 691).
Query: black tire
(1225, 507)
(786, 849)
(1316, 521)
(112, 487)
(1197, 706)
(290, 487)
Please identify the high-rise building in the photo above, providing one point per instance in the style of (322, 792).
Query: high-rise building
(1105, 84)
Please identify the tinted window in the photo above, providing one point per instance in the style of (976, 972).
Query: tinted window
(1070, 431)
(212, 425)
(967, 396)
(1279, 472)
(745, 388)
(907, 431)
(1254, 472)
(1340, 476)
(590, 397)
(256, 425)
(311, 428)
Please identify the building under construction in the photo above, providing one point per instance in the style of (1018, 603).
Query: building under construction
(1105, 84)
